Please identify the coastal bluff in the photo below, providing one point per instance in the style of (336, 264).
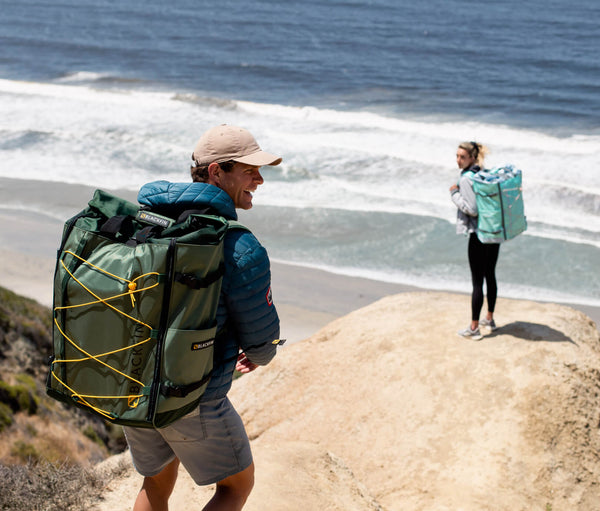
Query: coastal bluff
(387, 408)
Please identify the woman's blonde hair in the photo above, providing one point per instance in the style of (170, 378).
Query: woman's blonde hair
(475, 150)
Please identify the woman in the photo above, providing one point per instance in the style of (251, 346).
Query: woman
(482, 256)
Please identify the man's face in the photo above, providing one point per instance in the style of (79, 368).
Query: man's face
(240, 183)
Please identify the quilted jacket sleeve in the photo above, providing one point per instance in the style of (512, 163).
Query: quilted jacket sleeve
(250, 308)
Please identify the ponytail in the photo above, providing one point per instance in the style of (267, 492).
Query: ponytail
(476, 150)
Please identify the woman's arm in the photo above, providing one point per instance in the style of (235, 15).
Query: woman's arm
(463, 196)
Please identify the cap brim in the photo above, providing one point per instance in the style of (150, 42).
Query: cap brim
(259, 159)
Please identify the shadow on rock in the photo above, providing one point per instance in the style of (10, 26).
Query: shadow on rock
(532, 332)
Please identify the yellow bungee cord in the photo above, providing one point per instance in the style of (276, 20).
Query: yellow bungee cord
(132, 288)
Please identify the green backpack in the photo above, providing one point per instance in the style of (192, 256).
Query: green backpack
(135, 301)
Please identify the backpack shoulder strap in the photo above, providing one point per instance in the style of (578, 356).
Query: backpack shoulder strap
(234, 224)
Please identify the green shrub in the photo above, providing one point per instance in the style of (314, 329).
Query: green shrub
(90, 432)
(31, 431)
(24, 316)
(8, 396)
(27, 381)
(22, 306)
(25, 452)
(18, 397)
(115, 437)
(6, 416)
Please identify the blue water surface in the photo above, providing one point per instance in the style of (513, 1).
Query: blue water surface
(522, 63)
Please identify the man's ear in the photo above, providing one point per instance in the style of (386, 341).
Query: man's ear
(214, 174)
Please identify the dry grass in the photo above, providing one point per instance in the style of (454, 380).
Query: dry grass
(44, 486)
(47, 450)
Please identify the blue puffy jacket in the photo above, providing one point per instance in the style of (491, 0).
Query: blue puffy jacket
(245, 305)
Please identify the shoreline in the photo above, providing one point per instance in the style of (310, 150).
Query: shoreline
(307, 298)
(344, 294)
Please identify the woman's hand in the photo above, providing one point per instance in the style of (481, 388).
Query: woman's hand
(453, 188)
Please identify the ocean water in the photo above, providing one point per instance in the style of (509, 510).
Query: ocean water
(365, 100)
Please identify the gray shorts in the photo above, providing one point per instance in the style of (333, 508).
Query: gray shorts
(211, 444)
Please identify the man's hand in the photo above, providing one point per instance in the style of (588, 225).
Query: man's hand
(244, 365)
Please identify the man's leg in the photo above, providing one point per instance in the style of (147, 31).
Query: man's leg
(156, 490)
(232, 492)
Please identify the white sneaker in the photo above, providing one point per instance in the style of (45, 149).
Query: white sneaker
(489, 323)
(473, 334)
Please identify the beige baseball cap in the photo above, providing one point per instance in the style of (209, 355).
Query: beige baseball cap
(225, 143)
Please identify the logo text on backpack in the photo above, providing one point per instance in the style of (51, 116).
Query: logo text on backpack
(135, 369)
(201, 345)
(153, 218)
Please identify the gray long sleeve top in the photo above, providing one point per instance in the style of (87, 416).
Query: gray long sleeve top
(464, 199)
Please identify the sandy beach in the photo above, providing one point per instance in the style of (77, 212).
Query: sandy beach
(306, 298)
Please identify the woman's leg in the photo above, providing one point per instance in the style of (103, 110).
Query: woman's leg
(477, 265)
(491, 258)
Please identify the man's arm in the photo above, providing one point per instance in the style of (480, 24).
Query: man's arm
(249, 302)
(244, 365)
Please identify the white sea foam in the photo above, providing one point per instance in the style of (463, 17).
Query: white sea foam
(341, 159)
(81, 76)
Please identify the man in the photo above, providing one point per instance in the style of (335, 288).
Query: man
(211, 442)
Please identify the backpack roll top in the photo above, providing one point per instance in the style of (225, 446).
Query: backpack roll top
(135, 300)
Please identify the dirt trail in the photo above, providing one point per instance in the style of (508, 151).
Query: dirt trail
(388, 409)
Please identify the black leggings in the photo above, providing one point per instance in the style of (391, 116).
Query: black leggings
(482, 261)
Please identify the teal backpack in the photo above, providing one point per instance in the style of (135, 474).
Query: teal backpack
(135, 301)
(499, 196)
